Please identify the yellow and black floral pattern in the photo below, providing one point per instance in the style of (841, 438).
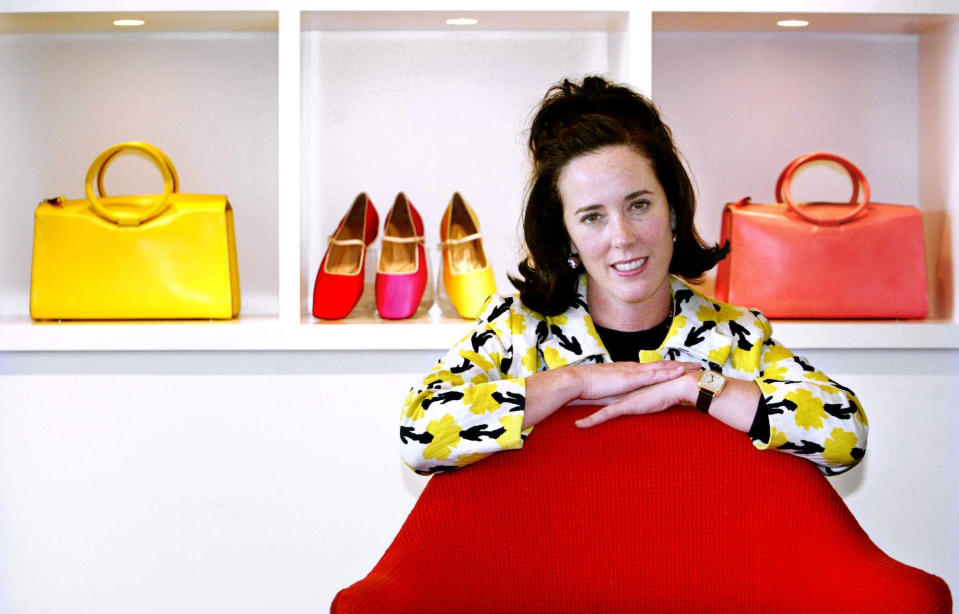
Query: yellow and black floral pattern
(471, 404)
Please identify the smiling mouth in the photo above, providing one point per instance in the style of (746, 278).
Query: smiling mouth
(632, 265)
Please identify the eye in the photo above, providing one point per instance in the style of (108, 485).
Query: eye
(590, 218)
(639, 205)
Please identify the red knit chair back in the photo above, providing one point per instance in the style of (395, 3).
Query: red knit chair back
(672, 512)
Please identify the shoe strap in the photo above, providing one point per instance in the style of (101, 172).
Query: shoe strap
(416, 239)
(346, 241)
(461, 240)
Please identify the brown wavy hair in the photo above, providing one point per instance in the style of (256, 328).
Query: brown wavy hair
(579, 118)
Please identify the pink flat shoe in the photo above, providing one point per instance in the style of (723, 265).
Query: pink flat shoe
(401, 270)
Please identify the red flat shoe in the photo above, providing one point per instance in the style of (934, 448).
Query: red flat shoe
(401, 271)
(339, 281)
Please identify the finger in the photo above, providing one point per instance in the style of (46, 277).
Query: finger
(662, 375)
(598, 417)
(609, 400)
(667, 364)
(674, 363)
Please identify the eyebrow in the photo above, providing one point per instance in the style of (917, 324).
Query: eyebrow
(637, 194)
(587, 208)
(628, 197)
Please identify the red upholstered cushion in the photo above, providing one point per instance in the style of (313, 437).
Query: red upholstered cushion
(673, 512)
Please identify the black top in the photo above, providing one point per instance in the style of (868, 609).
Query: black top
(625, 346)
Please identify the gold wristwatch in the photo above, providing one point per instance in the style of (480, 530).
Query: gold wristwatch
(711, 383)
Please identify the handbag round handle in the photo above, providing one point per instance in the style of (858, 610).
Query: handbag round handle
(116, 154)
(97, 169)
(860, 188)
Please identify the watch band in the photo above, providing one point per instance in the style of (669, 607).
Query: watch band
(704, 400)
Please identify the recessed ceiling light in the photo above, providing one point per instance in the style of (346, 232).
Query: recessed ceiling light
(792, 23)
(128, 23)
(462, 21)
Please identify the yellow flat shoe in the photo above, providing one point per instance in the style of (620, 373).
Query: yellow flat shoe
(467, 275)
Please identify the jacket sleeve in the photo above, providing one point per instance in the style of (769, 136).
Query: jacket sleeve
(468, 406)
(810, 415)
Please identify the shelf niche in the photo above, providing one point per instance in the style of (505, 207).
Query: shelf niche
(398, 101)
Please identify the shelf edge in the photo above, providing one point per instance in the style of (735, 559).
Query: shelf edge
(267, 334)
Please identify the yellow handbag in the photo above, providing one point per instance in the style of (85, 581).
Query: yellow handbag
(155, 256)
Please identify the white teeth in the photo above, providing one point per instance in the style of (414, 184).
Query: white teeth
(632, 265)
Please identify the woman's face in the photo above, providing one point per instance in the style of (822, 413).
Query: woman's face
(618, 219)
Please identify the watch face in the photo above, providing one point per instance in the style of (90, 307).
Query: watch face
(712, 381)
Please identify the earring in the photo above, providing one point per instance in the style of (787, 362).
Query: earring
(573, 261)
(674, 238)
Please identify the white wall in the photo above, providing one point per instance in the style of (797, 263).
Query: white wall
(265, 482)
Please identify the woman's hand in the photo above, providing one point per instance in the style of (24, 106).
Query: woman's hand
(736, 405)
(547, 391)
(614, 379)
(648, 399)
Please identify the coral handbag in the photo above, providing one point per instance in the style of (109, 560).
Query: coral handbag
(157, 256)
(824, 260)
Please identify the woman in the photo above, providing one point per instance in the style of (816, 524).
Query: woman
(603, 318)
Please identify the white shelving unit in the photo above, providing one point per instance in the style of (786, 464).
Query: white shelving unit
(250, 465)
(294, 108)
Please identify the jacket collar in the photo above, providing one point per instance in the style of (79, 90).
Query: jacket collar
(695, 331)
(571, 337)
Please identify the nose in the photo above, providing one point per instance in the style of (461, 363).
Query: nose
(623, 233)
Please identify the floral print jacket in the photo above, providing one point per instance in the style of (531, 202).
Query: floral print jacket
(471, 404)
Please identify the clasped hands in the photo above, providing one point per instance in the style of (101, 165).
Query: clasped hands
(625, 388)
(620, 387)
